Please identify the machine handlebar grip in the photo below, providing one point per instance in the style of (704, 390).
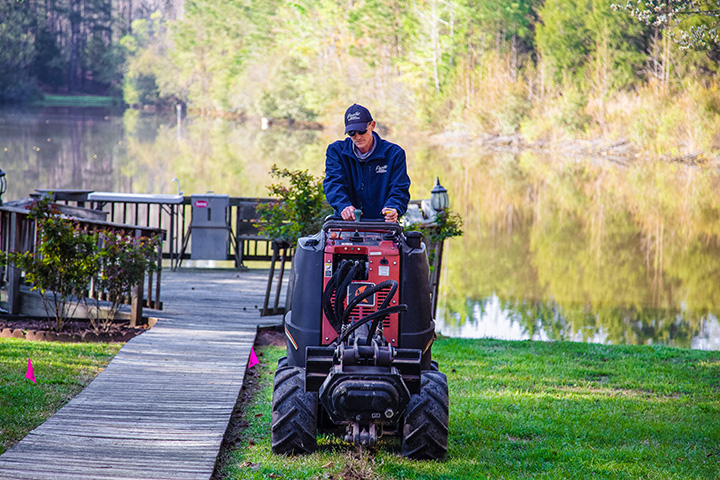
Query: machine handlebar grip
(364, 224)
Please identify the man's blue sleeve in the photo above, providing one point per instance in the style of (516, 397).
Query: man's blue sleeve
(399, 191)
(335, 184)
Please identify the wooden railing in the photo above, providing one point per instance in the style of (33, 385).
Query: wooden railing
(18, 234)
(172, 213)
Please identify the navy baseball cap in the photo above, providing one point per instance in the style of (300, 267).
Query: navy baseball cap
(357, 117)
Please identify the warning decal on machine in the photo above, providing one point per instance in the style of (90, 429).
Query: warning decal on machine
(357, 289)
(384, 271)
(328, 269)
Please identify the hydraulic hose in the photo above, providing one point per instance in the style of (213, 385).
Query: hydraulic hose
(337, 285)
(341, 293)
(339, 316)
(392, 284)
(379, 314)
(376, 322)
(330, 288)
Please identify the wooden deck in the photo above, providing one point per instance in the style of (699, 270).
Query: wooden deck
(161, 407)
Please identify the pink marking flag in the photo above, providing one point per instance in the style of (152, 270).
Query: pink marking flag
(30, 375)
(253, 358)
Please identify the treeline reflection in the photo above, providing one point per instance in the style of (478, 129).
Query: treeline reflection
(587, 250)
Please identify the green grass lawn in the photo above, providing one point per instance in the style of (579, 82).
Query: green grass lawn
(530, 410)
(77, 101)
(62, 370)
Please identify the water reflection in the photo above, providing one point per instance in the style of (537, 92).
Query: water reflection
(106, 150)
(554, 248)
(489, 318)
(589, 251)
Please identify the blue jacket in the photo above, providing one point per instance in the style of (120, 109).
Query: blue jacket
(371, 184)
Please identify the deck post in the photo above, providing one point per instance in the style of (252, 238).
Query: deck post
(136, 306)
(284, 246)
(270, 278)
(157, 303)
(14, 273)
(435, 274)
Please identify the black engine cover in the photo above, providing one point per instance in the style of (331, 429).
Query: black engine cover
(373, 395)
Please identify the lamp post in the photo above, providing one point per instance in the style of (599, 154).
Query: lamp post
(439, 201)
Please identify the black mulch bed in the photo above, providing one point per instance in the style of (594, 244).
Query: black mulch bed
(37, 328)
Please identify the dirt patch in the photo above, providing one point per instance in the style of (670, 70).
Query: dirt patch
(234, 433)
(268, 336)
(42, 329)
(358, 466)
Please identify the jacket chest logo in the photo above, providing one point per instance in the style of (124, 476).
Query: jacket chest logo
(381, 169)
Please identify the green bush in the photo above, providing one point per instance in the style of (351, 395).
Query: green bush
(300, 210)
(63, 262)
(67, 259)
(122, 261)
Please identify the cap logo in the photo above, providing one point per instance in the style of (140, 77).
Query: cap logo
(353, 116)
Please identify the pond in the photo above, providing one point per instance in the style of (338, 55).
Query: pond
(582, 249)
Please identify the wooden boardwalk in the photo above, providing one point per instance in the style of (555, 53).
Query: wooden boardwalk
(161, 407)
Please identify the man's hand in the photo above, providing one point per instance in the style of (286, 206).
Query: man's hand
(391, 215)
(348, 214)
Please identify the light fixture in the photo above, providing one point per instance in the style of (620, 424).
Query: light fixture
(438, 197)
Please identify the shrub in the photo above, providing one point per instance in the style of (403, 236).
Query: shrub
(122, 261)
(66, 259)
(300, 210)
(63, 263)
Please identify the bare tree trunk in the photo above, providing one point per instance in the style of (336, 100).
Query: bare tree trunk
(73, 64)
(513, 58)
(666, 60)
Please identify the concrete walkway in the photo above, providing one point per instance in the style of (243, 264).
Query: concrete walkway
(161, 407)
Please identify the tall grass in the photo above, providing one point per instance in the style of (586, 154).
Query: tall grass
(502, 96)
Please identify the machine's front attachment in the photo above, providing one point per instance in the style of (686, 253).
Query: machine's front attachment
(364, 387)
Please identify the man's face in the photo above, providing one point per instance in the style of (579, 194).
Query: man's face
(364, 142)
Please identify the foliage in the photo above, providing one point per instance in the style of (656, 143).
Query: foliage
(491, 66)
(147, 68)
(448, 224)
(17, 81)
(62, 370)
(68, 45)
(66, 259)
(691, 23)
(525, 410)
(300, 210)
(585, 42)
(63, 262)
(122, 263)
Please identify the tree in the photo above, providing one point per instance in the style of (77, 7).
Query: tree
(17, 37)
(577, 38)
(691, 23)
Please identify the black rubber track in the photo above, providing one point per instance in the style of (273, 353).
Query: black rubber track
(425, 429)
(294, 413)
